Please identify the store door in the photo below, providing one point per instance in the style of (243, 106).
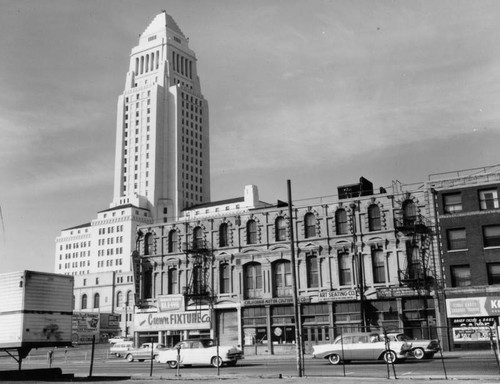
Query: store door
(227, 326)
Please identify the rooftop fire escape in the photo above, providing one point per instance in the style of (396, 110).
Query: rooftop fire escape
(415, 271)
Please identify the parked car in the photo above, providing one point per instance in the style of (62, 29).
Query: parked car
(119, 349)
(118, 339)
(143, 352)
(362, 346)
(199, 352)
(420, 349)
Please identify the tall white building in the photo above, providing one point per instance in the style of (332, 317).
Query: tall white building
(162, 161)
(162, 143)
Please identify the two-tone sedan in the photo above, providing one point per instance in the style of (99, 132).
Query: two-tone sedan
(362, 346)
(199, 352)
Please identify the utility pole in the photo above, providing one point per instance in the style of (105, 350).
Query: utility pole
(296, 312)
(358, 257)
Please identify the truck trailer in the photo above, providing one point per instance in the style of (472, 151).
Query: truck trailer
(36, 310)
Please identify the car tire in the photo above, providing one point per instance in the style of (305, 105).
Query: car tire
(390, 357)
(130, 358)
(172, 364)
(419, 353)
(216, 361)
(334, 359)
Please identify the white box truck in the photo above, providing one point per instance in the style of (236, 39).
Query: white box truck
(36, 310)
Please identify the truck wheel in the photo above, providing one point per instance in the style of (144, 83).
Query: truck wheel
(172, 364)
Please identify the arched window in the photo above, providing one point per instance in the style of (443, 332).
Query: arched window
(345, 269)
(282, 278)
(198, 281)
(84, 301)
(409, 212)
(341, 222)
(378, 261)
(280, 228)
(172, 241)
(225, 281)
(96, 300)
(172, 281)
(252, 273)
(312, 271)
(197, 238)
(223, 240)
(251, 232)
(119, 299)
(309, 225)
(148, 246)
(130, 298)
(374, 221)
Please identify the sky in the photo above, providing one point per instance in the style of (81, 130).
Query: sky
(317, 92)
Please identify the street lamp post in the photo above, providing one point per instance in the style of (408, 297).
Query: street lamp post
(358, 258)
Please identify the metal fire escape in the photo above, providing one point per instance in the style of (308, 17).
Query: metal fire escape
(416, 272)
(200, 260)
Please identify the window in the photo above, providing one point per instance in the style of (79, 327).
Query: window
(198, 281)
(309, 225)
(251, 232)
(452, 202)
(130, 298)
(172, 241)
(378, 262)
(253, 280)
(223, 239)
(148, 244)
(488, 199)
(409, 213)
(197, 238)
(119, 299)
(345, 266)
(494, 273)
(341, 222)
(84, 301)
(414, 259)
(224, 286)
(282, 278)
(280, 228)
(460, 276)
(96, 300)
(491, 236)
(312, 271)
(456, 239)
(374, 222)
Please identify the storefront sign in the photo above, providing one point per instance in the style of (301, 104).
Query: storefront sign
(348, 294)
(172, 321)
(469, 329)
(275, 300)
(170, 303)
(391, 293)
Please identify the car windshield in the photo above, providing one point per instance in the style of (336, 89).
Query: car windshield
(403, 338)
(207, 343)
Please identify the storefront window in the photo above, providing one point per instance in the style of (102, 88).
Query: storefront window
(283, 329)
(254, 325)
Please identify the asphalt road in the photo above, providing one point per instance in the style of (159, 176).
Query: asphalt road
(463, 366)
